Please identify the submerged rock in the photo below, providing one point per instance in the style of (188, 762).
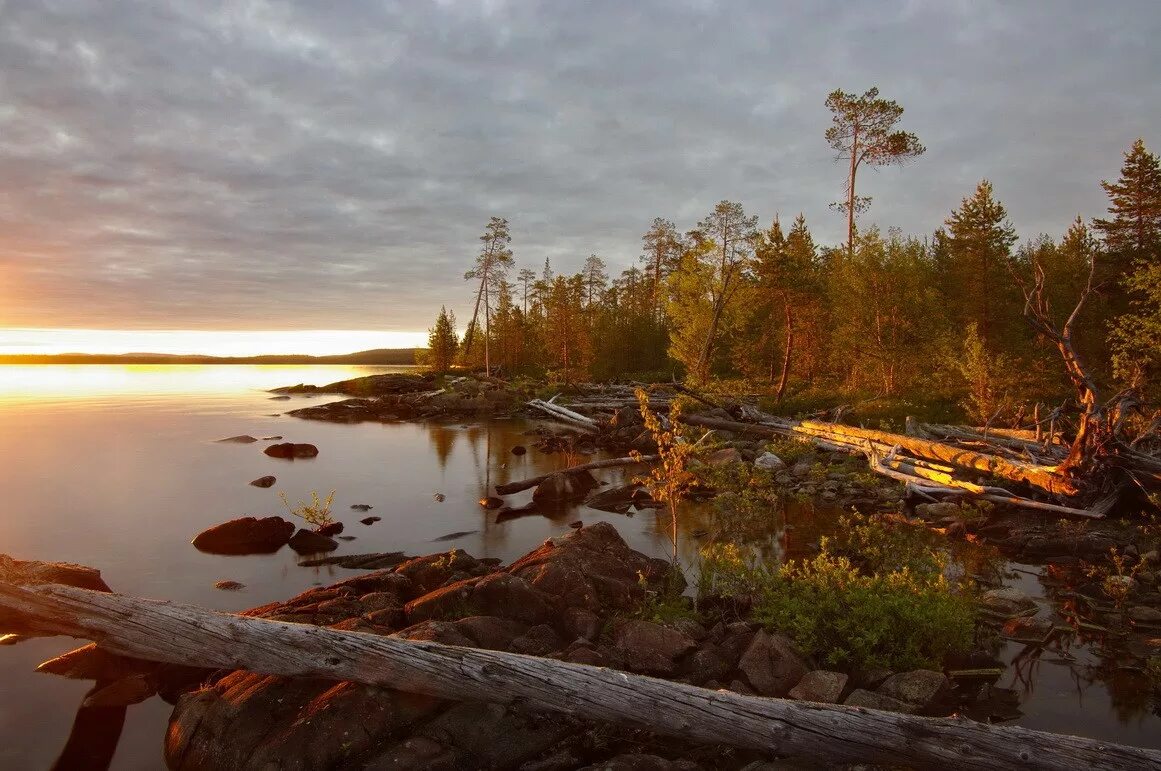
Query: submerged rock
(241, 439)
(309, 542)
(290, 450)
(266, 481)
(370, 520)
(564, 487)
(229, 586)
(246, 535)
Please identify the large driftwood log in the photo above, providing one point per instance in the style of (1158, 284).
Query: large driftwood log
(525, 484)
(164, 631)
(858, 439)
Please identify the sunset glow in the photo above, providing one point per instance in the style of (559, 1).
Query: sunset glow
(314, 342)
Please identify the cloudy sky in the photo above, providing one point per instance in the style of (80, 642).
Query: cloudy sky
(257, 165)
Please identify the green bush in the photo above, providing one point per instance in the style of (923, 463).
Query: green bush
(876, 597)
(848, 619)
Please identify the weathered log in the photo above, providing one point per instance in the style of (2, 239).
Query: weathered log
(173, 632)
(525, 484)
(556, 412)
(1043, 477)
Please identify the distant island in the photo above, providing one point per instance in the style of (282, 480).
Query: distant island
(377, 356)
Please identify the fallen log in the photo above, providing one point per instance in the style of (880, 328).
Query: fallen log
(564, 415)
(509, 488)
(1043, 477)
(172, 632)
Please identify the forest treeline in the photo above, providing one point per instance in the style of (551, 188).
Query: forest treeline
(932, 317)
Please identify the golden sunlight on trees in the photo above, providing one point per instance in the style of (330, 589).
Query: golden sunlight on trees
(863, 131)
(442, 341)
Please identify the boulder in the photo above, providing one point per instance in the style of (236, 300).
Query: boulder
(872, 700)
(771, 664)
(564, 487)
(290, 450)
(820, 686)
(435, 570)
(592, 568)
(491, 632)
(723, 456)
(651, 648)
(330, 528)
(1007, 602)
(615, 499)
(1143, 614)
(707, 663)
(229, 586)
(770, 462)
(370, 520)
(920, 687)
(266, 481)
(246, 535)
(310, 542)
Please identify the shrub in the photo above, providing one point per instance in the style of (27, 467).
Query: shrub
(317, 512)
(878, 596)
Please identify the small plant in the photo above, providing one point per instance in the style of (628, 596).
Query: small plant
(1116, 577)
(666, 604)
(670, 480)
(317, 512)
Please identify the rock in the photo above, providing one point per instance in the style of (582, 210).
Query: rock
(649, 647)
(1153, 557)
(707, 663)
(576, 525)
(564, 487)
(872, 700)
(938, 511)
(498, 594)
(920, 687)
(592, 568)
(519, 450)
(579, 623)
(370, 520)
(435, 570)
(229, 586)
(241, 439)
(1007, 602)
(438, 497)
(723, 456)
(1026, 629)
(246, 535)
(491, 502)
(282, 398)
(491, 632)
(271, 438)
(330, 528)
(1145, 615)
(453, 536)
(361, 507)
(309, 542)
(266, 481)
(290, 450)
(769, 461)
(771, 664)
(615, 499)
(35, 572)
(637, 761)
(537, 641)
(820, 686)
(690, 628)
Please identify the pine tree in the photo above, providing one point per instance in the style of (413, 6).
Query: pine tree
(442, 341)
(661, 255)
(1133, 233)
(863, 131)
(977, 251)
(491, 267)
(729, 235)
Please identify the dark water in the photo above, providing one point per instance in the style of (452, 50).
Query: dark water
(116, 467)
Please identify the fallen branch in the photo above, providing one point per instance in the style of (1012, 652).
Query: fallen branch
(526, 484)
(556, 412)
(172, 632)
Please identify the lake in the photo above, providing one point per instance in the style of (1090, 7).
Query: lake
(117, 467)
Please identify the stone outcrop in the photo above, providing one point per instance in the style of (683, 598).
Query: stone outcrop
(245, 535)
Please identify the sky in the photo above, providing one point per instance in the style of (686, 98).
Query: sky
(253, 165)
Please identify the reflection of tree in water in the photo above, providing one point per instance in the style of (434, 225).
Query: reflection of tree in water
(443, 440)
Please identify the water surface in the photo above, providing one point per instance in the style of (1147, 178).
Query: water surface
(117, 467)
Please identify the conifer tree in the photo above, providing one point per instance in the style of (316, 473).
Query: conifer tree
(491, 267)
(863, 132)
(442, 341)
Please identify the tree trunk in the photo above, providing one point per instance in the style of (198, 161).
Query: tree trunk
(184, 634)
(851, 193)
(525, 484)
(786, 351)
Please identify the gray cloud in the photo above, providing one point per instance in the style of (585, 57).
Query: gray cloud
(320, 165)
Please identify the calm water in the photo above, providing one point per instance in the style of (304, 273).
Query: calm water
(117, 467)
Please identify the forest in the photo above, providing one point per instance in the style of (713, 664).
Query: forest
(962, 317)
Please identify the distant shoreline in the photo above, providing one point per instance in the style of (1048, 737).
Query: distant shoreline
(382, 357)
